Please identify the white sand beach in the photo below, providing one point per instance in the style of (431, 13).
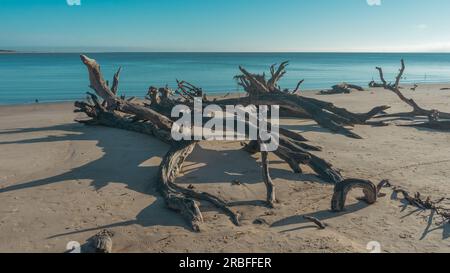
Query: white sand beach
(61, 181)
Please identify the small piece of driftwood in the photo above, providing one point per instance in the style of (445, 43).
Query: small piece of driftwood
(316, 221)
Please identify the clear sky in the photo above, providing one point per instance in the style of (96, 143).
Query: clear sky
(226, 25)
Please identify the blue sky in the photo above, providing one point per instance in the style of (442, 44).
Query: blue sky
(226, 25)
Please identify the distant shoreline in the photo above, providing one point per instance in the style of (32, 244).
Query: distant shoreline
(210, 52)
(3, 51)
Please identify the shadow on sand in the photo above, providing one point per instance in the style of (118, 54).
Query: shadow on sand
(323, 215)
(123, 154)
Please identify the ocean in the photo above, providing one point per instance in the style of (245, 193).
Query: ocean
(50, 77)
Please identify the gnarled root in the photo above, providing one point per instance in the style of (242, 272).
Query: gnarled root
(100, 116)
(182, 199)
(168, 171)
(148, 121)
(343, 188)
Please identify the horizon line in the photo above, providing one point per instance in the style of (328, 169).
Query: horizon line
(12, 51)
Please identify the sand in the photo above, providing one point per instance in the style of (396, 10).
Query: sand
(61, 181)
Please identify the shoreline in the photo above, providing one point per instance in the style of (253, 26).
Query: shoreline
(233, 94)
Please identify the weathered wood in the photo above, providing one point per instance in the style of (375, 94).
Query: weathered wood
(323, 168)
(350, 117)
(316, 221)
(374, 84)
(297, 88)
(266, 92)
(102, 117)
(342, 88)
(341, 190)
(115, 85)
(154, 123)
(154, 119)
(426, 204)
(268, 180)
(395, 88)
(168, 171)
(98, 84)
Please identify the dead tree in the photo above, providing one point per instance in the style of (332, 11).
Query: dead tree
(427, 204)
(262, 91)
(436, 119)
(343, 88)
(108, 109)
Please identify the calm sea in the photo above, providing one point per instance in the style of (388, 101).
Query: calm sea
(62, 77)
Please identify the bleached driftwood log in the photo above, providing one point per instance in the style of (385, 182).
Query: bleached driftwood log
(153, 119)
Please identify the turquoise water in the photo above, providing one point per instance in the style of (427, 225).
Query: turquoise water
(62, 77)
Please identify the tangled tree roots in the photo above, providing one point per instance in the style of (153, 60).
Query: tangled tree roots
(106, 108)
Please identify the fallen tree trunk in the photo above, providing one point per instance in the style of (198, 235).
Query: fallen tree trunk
(433, 115)
(343, 88)
(374, 84)
(153, 119)
(148, 121)
(267, 92)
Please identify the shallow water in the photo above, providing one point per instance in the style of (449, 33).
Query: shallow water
(60, 77)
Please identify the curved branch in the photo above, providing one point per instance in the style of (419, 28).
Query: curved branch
(115, 85)
(343, 188)
(297, 88)
(395, 88)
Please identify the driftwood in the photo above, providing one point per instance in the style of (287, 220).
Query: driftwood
(146, 120)
(343, 88)
(374, 84)
(297, 88)
(316, 221)
(414, 87)
(436, 119)
(153, 118)
(427, 204)
(262, 91)
(267, 179)
(342, 189)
